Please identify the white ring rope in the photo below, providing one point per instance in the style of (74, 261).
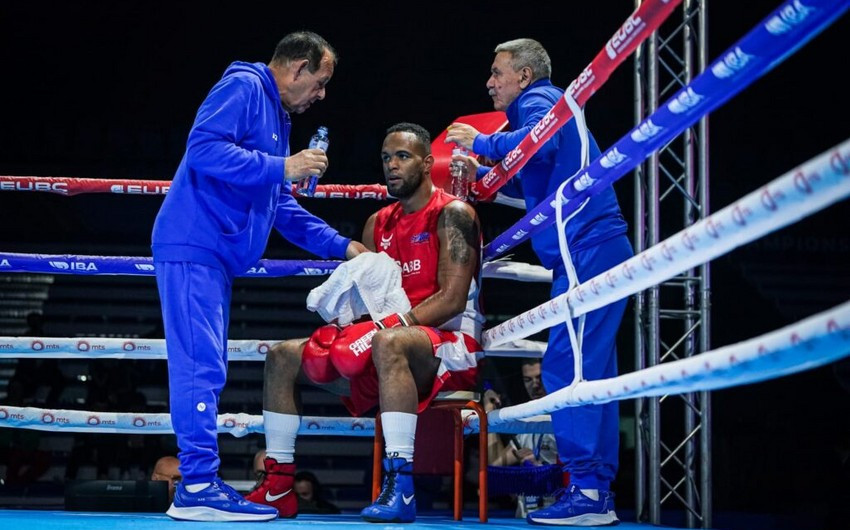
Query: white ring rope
(141, 423)
(808, 344)
(153, 349)
(236, 424)
(517, 271)
(802, 191)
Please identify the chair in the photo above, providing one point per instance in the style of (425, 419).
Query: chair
(455, 402)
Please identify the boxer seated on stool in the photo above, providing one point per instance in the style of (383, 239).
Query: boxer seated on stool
(401, 361)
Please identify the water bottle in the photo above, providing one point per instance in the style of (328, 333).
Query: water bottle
(460, 176)
(307, 187)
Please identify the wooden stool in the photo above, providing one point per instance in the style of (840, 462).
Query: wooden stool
(456, 402)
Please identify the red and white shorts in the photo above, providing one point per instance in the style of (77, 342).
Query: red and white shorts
(459, 356)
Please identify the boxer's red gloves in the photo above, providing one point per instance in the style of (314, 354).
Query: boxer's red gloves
(316, 360)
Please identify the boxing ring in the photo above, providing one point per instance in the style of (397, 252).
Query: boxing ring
(802, 191)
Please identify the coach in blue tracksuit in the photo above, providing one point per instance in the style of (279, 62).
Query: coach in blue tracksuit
(587, 437)
(232, 186)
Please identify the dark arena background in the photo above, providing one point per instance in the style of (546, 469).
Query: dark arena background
(109, 90)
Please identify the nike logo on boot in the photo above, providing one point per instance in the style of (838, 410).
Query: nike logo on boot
(272, 498)
(406, 499)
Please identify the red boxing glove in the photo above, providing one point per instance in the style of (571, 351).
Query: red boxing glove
(315, 359)
(391, 321)
(351, 352)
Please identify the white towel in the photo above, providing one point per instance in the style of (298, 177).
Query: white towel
(370, 283)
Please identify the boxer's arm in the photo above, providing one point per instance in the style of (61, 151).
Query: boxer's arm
(368, 237)
(460, 251)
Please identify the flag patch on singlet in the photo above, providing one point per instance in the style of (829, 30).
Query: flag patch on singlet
(421, 237)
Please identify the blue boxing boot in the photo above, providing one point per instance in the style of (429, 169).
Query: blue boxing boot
(395, 504)
(574, 508)
(216, 502)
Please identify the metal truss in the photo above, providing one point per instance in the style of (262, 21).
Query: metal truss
(672, 319)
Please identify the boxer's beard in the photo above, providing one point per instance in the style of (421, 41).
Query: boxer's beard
(406, 188)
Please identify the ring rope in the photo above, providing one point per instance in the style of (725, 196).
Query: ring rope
(798, 193)
(765, 46)
(808, 344)
(144, 423)
(144, 266)
(236, 424)
(154, 349)
(70, 186)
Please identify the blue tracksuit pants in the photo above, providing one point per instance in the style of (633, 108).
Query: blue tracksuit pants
(195, 311)
(588, 436)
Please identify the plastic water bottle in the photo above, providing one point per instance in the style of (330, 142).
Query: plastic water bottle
(307, 186)
(460, 176)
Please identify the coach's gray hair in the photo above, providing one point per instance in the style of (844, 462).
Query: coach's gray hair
(530, 53)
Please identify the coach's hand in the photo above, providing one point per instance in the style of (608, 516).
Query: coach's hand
(304, 164)
(355, 248)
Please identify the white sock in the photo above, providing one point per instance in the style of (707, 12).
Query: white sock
(592, 494)
(195, 488)
(281, 431)
(399, 433)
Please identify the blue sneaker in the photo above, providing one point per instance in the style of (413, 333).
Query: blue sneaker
(573, 508)
(217, 502)
(395, 504)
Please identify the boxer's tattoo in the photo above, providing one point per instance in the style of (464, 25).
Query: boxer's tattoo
(462, 233)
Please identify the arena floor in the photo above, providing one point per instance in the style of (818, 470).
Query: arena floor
(45, 520)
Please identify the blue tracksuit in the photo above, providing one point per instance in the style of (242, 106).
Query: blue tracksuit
(215, 222)
(587, 437)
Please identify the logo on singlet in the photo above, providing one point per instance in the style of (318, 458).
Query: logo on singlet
(385, 241)
(422, 237)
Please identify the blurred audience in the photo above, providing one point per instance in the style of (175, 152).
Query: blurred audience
(309, 491)
(526, 449)
(167, 468)
(259, 467)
